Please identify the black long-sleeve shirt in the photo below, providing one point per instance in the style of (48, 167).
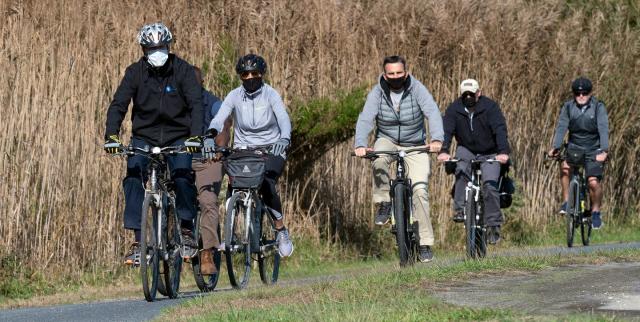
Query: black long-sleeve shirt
(167, 102)
(482, 132)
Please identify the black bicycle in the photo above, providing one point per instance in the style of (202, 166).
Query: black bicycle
(578, 205)
(403, 225)
(249, 230)
(474, 221)
(161, 241)
(206, 283)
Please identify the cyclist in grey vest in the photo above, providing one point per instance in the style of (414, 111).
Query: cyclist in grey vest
(396, 107)
(585, 117)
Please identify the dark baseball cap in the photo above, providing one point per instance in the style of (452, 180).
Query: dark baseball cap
(581, 85)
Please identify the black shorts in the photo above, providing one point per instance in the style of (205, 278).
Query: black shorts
(592, 168)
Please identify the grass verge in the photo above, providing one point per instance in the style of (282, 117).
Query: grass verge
(380, 294)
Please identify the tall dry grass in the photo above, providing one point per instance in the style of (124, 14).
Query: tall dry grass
(60, 195)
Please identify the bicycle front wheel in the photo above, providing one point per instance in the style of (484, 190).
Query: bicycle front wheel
(470, 224)
(402, 236)
(149, 257)
(268, 257)
(237, 243)
(573, 212)
(172, 265)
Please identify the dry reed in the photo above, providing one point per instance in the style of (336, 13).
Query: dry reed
(60, 195)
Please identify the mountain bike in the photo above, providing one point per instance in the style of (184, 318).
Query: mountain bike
(161, 241)
(206, 283)
(403, 225)
(474, 221)
(249, 230)
(578, 205)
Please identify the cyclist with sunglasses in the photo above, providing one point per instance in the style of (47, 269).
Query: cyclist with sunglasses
(480, 130)
(260, 119)
(585, 117)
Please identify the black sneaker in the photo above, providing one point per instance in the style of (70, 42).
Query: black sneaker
(494, 235)
(132, 257)
(424, 253)
(189, 245)
(458, 217)
(383, 214)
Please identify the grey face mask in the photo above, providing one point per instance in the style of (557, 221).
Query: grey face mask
(158, 58)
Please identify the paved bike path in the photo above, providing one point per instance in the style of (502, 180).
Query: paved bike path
(141, 310)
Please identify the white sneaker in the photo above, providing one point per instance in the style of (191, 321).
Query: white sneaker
(285, 246)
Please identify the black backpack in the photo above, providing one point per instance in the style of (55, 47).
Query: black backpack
(506, 187)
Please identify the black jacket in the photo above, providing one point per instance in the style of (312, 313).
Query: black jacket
(484, 133)
(167, 103)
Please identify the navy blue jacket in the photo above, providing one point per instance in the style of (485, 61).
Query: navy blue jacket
(482, 132)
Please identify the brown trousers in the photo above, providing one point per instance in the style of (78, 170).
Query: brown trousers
(208, 181)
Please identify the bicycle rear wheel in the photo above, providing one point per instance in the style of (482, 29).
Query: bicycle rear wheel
(585, 228)
(402, 236)
(206, 283)
(149, 257)
(172, 266)
(237, 243)
(268, 256)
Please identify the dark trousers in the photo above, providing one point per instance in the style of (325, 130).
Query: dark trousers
(134, 184)
(490, 177)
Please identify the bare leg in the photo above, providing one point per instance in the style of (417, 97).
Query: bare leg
(595, 192)
(564, 179)
(279, 223)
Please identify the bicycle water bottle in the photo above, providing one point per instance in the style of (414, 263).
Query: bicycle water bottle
(582, 198)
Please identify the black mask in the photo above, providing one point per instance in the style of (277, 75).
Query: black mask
(252, 84)
(396, 83)
(469, 101)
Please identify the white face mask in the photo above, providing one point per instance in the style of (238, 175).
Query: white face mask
(158, 57)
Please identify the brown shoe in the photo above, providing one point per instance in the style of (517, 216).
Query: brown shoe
(206, 262)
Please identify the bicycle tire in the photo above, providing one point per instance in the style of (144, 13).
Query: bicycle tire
(402, 238)
(172, 266)
(470, 226)
(268, 256)
(206, 283)
(481, 232)
(149, 257)
(237, 243)
(573, 212)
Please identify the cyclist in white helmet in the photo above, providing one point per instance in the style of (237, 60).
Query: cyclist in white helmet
(167, 110)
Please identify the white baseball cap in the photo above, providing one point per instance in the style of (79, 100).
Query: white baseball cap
(469, 85)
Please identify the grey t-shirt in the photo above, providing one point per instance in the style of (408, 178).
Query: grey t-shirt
(259, 118)
(395, 99)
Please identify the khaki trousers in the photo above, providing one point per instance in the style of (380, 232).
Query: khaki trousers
(208, 181)
(418, 170)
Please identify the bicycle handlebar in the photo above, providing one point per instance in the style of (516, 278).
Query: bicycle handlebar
(375, 154)
(147, 151)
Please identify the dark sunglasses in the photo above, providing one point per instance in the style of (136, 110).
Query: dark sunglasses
(468, 94)
(253, 74)
(577, 94)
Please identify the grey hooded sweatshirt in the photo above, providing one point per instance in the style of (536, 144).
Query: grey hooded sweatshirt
(404, 126)
(259, 118)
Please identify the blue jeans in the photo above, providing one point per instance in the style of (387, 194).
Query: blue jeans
(133, 185)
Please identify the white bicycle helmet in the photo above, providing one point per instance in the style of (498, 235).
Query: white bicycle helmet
(154, 35)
